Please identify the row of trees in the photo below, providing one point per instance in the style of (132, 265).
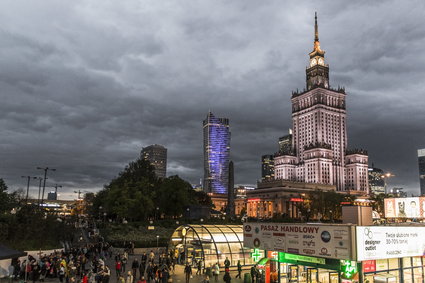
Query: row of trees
(137, 195)
(28, 227)
(326, 204)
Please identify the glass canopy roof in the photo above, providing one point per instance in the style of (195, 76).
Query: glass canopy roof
(211, 244)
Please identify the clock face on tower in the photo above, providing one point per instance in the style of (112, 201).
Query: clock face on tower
(313, 62)
(321, 61)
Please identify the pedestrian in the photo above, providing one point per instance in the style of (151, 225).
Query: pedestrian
(124, 261)
(253, 273)
(188, 272)
(216, 271)
(135, 266)
(118, 268)
(151, 256)
(129, 278)
(227, 263)
(199, 271)
(142, 280)
(227, 277)
(106, 274)
(239, 270)
(206, 280)
(61, 272)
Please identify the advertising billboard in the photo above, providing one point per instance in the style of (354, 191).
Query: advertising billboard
(326, 241)
(413, 207)
(381, 242)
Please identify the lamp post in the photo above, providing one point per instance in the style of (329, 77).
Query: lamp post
(40, 179)
(45, 177)
(157, 242)
(28, 185)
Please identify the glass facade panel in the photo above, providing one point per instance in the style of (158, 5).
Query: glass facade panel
(407, 262)
(393, 263)
(417, 261)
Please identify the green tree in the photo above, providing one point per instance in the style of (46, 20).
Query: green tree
(174, 195)
(131, 195)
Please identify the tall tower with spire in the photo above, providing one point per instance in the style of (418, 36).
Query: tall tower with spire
(319, 138)
(318, 72)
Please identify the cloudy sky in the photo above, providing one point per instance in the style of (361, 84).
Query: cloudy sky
(85, 85)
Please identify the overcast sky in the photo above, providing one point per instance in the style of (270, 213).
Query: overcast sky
(84, 85)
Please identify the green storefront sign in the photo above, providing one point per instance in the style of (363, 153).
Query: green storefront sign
(326, 263)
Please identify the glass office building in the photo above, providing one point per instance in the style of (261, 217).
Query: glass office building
(211, 244)
(216, 154)
(421, 160)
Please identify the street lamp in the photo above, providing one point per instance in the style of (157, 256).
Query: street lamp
(28, 185)
(157, 242)
(45, 177)
(39, 190)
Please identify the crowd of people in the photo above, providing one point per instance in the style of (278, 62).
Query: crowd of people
(84, 264)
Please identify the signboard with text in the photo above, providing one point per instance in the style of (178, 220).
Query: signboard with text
(326, 241)
(413, 207)
(381, 242)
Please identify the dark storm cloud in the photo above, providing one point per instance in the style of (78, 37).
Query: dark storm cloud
(85, 85)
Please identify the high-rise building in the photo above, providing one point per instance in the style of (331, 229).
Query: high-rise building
(421, 160)
(216, 154)
(376, 180)
(319, 138)
(285, 143)
(267, 167)
(157, 156)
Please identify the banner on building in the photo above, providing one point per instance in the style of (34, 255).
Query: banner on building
(405, 207)
(381, 242)
(327, 241)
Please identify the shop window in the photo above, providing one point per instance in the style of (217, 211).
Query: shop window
(407, 262)
(381, 264)
(417, 261)
(393, 263)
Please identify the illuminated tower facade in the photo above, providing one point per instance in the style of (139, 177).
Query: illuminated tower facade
(319, 136)
(216, 154)
(421, 161)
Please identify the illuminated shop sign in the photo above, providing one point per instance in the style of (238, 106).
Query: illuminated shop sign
(381, 242)
(348, 269)
(405, 207)
(323, 241)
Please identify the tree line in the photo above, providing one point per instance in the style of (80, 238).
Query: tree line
(137, 194)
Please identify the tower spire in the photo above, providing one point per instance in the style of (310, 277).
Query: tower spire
(316, 28)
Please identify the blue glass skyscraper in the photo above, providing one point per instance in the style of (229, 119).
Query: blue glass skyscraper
(216, 154)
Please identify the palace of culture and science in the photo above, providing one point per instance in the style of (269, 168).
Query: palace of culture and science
(317, 155)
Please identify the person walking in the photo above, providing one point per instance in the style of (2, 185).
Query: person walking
(106, 274)
(188, 272)
(239, 270)
(129, 278)
(226, 263)
(253, 273)
(216, 271)
(124, 261)
(199, 265)
(118, 268)
(134, 267)
(227, 277)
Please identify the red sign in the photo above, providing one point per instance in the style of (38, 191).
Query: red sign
(296, 199)
(369, 266)
(345, 202)
(254, 199)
